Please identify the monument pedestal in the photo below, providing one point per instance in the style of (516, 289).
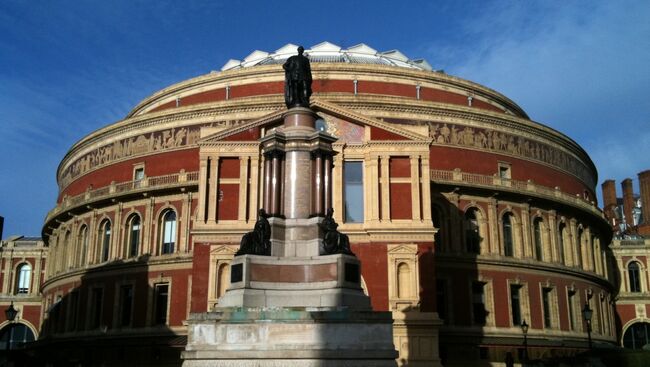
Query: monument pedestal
(295, 297)
(288, 337)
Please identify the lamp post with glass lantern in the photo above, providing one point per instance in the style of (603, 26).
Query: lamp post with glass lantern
(11, 312)
(524, 329)
(587, 313)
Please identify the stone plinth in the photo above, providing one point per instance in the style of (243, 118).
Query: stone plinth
(319, 281)
(286, 337)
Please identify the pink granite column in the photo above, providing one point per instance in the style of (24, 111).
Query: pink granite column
(327, 183)
(275, 184)
(318, 184)
(267, 183)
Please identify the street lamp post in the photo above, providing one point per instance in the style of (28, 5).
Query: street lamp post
(587, 313)
(524, 329)
(11, 314)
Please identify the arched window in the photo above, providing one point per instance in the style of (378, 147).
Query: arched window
(634, 277)
(82, 241)
(16, 336)
(133, 235)
(105, 239)
(637, 336)
(560, 241)
(508, 241)
(168, 232)
(537, 236)
(23, 278)
(472, 234)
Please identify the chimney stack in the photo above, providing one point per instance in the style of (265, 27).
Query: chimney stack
(644, 188)
(2, 223)
(628, 201)
(609, 202)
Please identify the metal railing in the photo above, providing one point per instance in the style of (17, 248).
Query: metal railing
(457, 177)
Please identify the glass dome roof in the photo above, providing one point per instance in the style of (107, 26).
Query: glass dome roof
(329, 52)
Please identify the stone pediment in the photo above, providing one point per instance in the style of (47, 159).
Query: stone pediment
(223, 250)
(349, 124)
(403, 249)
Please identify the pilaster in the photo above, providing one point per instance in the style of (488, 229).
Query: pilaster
(243, 189)
(494, 227)
(416, 213)
(212, 194)
(552, 235)
(385, 187)
(203, 187)
(525, 231)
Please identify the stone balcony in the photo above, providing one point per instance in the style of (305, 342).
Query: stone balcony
(115, 191)
(528, 188)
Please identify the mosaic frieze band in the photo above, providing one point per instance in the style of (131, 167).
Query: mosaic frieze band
(501, 142)
(136, 146)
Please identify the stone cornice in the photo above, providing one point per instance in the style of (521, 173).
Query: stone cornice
(322, 71)
(505, 264)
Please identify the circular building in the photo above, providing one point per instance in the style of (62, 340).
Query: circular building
(469, 218)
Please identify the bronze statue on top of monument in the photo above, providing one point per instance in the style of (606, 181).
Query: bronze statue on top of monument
(297, 80)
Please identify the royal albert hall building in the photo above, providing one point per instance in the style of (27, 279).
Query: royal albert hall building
(469, 218)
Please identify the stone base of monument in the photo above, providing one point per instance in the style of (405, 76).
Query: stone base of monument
(289, 337)
(318, 281)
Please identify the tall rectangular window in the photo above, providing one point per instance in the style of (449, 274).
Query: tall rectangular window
(571, 306)
(126, 304)
(546, 305)
(96, 302)
(478, 303)
(138, 176)
(161, 295)
(515, 304)
(353, 191)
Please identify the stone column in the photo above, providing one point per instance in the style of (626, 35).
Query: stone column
(203, 187)
(426, 187)
(298, 126)
(573, 243)
(526, 232)
(276, 182)
(385, 187)
(552, 236)
(212, 187)
(416, 213)
(318, 185)
(493, 223)
(327, 183)
(268, 173)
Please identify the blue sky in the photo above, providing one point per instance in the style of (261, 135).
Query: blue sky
(70, 67)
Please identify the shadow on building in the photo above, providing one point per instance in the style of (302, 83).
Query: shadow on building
(115, 315)
(460, 296)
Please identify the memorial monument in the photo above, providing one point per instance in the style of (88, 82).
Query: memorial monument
(295, 297)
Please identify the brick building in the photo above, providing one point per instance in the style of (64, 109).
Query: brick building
(469, 218)
(631, 250)
(22, 270)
